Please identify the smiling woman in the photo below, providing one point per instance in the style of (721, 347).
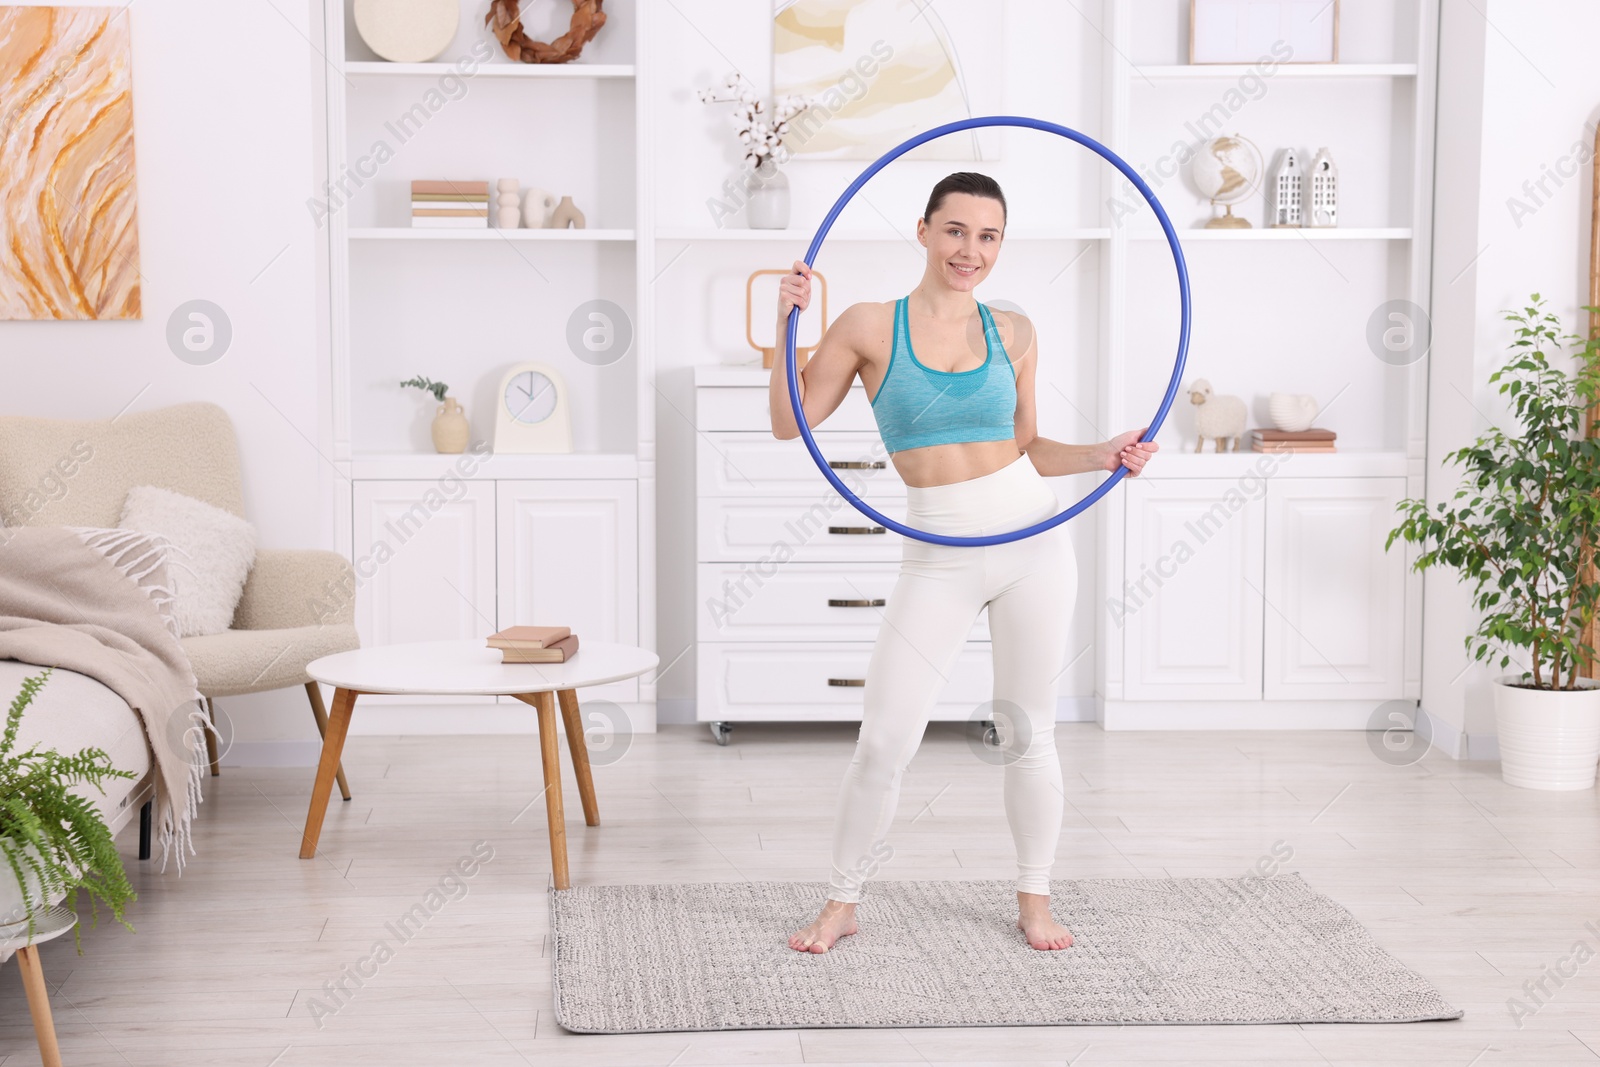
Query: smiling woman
(951, 383)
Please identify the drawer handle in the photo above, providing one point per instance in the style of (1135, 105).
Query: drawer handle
(856, 530)
(857, 464)
(836, 602)
(847, 681)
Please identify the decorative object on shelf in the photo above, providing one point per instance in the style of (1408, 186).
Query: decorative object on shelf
(566, 214)
(407, 31)
(1323, 209)
(1220, 418)
(505, 18)
(766, 189)
(1288, 189)
(767, 207)
(536, 207)
(878, 68)
(69, 159)
(1292, 440)
(450, 205)
(508, 204)
(533, 415)
(1292, 411)
(54, 841)
(1524, 531)
(769, 353)
(1226, 170)
(450, 428)
(1248, 31)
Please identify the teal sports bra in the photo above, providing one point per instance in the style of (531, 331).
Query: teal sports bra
(917, 406)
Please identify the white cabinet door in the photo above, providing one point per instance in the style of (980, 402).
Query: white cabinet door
(424, 562)
(569, 556)
(1335, 600)
(1190, 599)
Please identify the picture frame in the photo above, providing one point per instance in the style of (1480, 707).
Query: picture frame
(1247, 31)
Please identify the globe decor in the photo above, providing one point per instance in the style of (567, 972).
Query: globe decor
(1226, 170)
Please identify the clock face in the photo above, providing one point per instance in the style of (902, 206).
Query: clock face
(530, 397)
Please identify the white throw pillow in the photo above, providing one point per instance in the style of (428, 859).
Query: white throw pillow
(212, 553)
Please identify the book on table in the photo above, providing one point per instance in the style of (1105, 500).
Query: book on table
(535, 644)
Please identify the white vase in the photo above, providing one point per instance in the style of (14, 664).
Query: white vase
(1549, 738)
(768, 205)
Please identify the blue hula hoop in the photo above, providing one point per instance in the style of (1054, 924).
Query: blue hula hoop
(1166, 401)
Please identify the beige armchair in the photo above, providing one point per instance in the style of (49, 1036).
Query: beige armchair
(298, 604)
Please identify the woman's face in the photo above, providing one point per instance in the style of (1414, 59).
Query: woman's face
(963, 238)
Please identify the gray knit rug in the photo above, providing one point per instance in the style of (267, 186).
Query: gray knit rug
(715, 956)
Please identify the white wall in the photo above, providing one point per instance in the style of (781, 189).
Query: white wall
(223, 107)
(1519, 96)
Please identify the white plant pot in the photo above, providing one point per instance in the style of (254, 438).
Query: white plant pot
(13, 909)
(1549, 738)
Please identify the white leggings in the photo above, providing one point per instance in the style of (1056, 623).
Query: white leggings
(1029, 587)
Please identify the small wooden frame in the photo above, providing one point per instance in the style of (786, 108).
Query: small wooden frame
(770, 353)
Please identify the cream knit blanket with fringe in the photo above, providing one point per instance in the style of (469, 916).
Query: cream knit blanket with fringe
(94, 601)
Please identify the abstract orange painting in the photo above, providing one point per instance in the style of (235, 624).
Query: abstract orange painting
(69, 235)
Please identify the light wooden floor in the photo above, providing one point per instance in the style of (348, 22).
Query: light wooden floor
(1476, 885)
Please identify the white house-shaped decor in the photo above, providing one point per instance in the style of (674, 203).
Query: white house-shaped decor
(1286, 190)
(1324, 206)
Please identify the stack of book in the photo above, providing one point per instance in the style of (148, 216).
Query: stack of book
(1312, 440)
(535, 644)
(450, 205)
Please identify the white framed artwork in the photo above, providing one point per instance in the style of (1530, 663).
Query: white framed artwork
(1246, 31)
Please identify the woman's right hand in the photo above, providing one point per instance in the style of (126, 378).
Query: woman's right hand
(794, 290)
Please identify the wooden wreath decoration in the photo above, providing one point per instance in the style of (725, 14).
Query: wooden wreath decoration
(506, 18)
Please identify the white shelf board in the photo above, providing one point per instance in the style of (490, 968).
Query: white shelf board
(488, 233)
(1281, 70)
(431, 465)
(1287, 233)
(507, 69)
(1352, 463)
(708, 233)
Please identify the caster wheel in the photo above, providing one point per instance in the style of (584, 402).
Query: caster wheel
(991, 736)
(720, 731)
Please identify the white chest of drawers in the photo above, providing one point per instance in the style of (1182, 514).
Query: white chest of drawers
(792, 580)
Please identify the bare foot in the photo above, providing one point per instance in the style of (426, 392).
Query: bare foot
(837, 919)
(1037, 926)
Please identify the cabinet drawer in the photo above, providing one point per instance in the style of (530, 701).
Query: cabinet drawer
(814, 529)
(734, 408)
(778, 601)
(776, 682)
(758, 464)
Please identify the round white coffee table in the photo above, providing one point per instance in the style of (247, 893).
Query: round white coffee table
(468, 668)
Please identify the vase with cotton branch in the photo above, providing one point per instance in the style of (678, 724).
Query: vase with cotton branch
(763, 188)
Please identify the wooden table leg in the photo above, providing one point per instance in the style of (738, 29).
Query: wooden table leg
(580, 755)
(44, 1027)
(344, 701)
(555, 812)
(320, 713)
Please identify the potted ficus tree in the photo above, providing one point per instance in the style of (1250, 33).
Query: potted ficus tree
(54, 841)
(1522, 526)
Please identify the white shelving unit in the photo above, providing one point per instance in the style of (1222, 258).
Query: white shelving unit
(473, 542)
(1239, 638)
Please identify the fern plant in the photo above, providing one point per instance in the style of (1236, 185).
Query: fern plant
(1526, 537)
(438, 389)
(54, 835)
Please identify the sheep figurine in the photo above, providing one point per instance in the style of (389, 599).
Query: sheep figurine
(1220, 418)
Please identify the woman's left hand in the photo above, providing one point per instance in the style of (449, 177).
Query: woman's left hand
(1126, 450)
